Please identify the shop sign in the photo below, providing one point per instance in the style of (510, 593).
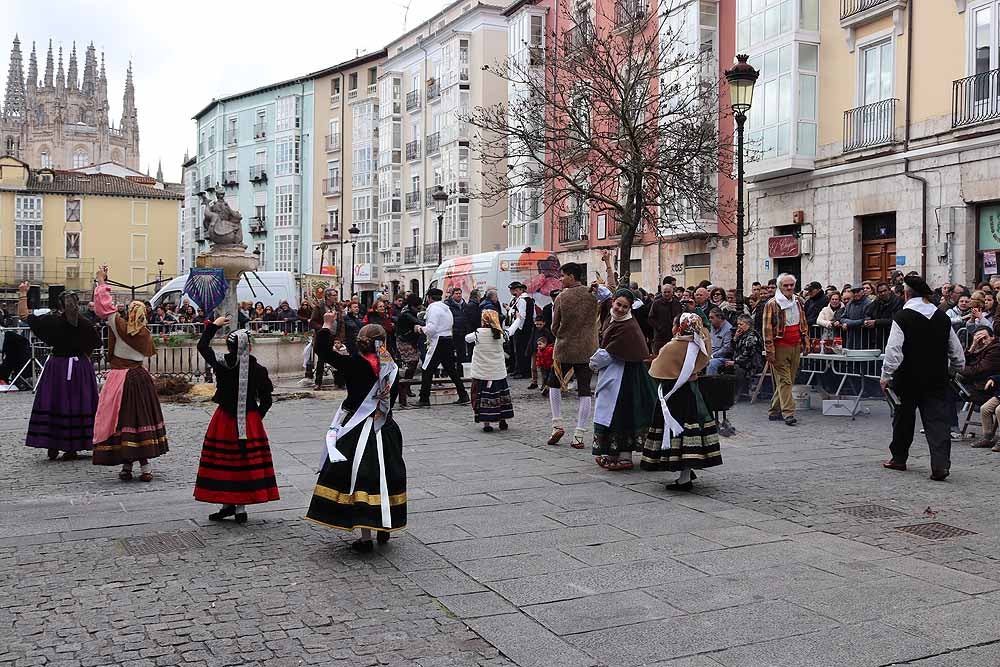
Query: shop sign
(779, 247)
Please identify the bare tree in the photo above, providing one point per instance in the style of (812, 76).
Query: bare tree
(615, 114)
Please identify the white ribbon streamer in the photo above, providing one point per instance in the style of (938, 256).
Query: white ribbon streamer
(671, 426)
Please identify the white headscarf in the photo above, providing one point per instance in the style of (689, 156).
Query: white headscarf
(242, 339)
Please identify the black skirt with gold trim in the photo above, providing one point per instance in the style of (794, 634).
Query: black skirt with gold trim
(334, 505)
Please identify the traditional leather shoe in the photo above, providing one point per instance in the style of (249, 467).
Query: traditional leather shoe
(53, 454)
(463, 400)
(893, 465)
(362, 546)
(241, 517)
(939, 475)
(227, 510)
(382, 536)
(774, 418)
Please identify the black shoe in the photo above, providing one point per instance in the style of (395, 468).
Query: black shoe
(503, 425)
(53, 454)
(241, 517)
(939, 475)
(774, 418)
(533, 385)
(424, 403)
(463, 400)
(362, 546)
(227, 510)
(791, 421)
(382, 536)
(487, 429)
(676, 486)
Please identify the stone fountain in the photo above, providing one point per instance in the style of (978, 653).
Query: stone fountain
(223, 226)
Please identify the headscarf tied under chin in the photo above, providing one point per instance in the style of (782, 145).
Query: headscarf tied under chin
(136, 317)
(240, 339)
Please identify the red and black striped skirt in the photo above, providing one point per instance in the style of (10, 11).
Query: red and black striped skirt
(231, 474)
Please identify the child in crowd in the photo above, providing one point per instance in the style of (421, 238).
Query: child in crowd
(538, 332)
(543, 360)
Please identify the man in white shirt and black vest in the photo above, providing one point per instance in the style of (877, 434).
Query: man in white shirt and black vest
(922, 353)
(440, 347)
(520, 315)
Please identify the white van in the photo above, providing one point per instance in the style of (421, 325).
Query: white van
(280, 283)
(539, 271)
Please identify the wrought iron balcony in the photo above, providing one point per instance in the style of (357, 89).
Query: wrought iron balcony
(629, 11)
(413, 201)
(579, 36)
(332, 142)
(331, 186)
(431, 253)
(413, 150)
(869, 126)
(230, 178)
(849, 8)
(572, 229)
(433, 143)
(260, 130)
(232, 137)
(331, 233)
(257, 227)
(413, 100)
(433, 90)
(976, 99)
(258, 173)
(411, 255)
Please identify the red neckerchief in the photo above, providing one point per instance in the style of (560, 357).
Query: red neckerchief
(372, 360)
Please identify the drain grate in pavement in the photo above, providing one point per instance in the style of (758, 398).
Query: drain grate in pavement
(935, 531)
(871, 512)
(159, 543)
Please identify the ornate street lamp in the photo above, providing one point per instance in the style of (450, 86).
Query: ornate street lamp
(741, 78)
(440, 198)
(353, 231)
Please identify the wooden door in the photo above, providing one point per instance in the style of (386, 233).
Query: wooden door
(878, 259)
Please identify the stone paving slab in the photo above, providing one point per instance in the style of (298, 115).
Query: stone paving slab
(597, 612)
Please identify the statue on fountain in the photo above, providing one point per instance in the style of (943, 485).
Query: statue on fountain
(222, 224)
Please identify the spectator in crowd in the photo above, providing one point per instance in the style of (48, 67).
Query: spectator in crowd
(286, 314)
(409, 342)
(961, 313)
(701, 304)
(547, 309)
(352, 325)
(748, 352)
(786, 336)
(662, 314)
(852, 318)
(330, 303)
(816, 301)
(880, 312)
(539, 331)
(829, 317)
(721, 333)
(982, 361)
(379, 315)
(491, 301)
(456, 304)
(543, 360)
(269, 314)
(258, 312)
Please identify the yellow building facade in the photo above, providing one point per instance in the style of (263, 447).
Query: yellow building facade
(874, 138)
(57, 227)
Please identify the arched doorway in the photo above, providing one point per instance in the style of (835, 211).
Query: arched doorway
(415, 286)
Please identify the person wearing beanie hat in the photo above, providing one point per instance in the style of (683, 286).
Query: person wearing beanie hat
(922, 352)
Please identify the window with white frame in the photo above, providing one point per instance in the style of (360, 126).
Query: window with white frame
(288, 113)
(984, 49)
(362, 213)
(363, 165)
(44, 159)
(876, 72)
(286, 205)
(73, 206)
(332, 221)
(762, 20)
(27, 226)
(286, 252)
(287, 156)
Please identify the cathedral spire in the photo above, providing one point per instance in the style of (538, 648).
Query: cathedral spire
(128, 99)
(89, 86)
(73, 74)
(13, 104)
(159, 171)
(60, 74)
(32, 70)
(48, 67)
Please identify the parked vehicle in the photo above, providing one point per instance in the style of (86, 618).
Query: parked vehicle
(538, 270)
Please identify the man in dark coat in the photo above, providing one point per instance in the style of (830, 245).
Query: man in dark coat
(456, 305)
(816, 301)
(879, 315)
(661, 317)
(920, 355)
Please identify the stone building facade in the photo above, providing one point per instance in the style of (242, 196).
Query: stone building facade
(62, 121)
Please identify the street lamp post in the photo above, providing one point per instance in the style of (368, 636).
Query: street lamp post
(159, 277)
(353, 231)
(440, 198)
(741, 78)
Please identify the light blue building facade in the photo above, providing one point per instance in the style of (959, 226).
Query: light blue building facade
(257, 146)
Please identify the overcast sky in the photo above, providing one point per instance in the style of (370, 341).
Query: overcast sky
(185, 52)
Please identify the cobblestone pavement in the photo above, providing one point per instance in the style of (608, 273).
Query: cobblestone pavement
(790, 554)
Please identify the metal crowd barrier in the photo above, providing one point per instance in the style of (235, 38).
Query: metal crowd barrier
(845, 371)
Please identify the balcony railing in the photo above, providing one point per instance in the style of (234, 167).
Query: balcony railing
(849, 8)
(431, 253)
(232, 137)
(330, 233)
(230, 178)
(629, 11)
(332, 142)
(413, 100)
(976, 99)
(352, 94)
(411, 255)
(257, 227)
(258, 173)
(572, 228)
(413, 150)
(372, 90)
(259, 130)
(331, 186)
(413, 201)
(334, 100)
(870, 125)
(578, 36)
(433, 143)
(433, 91)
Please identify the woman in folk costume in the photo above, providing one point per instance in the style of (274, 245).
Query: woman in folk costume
(62, 417)
(625, 394)
(235, 469)
(362, 483)
(129, 423)
(490, 391)
(683, 436)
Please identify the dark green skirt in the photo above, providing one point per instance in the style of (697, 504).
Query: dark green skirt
(632, 415)
(697, 447)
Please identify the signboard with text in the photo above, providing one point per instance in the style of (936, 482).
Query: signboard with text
(783, 246)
